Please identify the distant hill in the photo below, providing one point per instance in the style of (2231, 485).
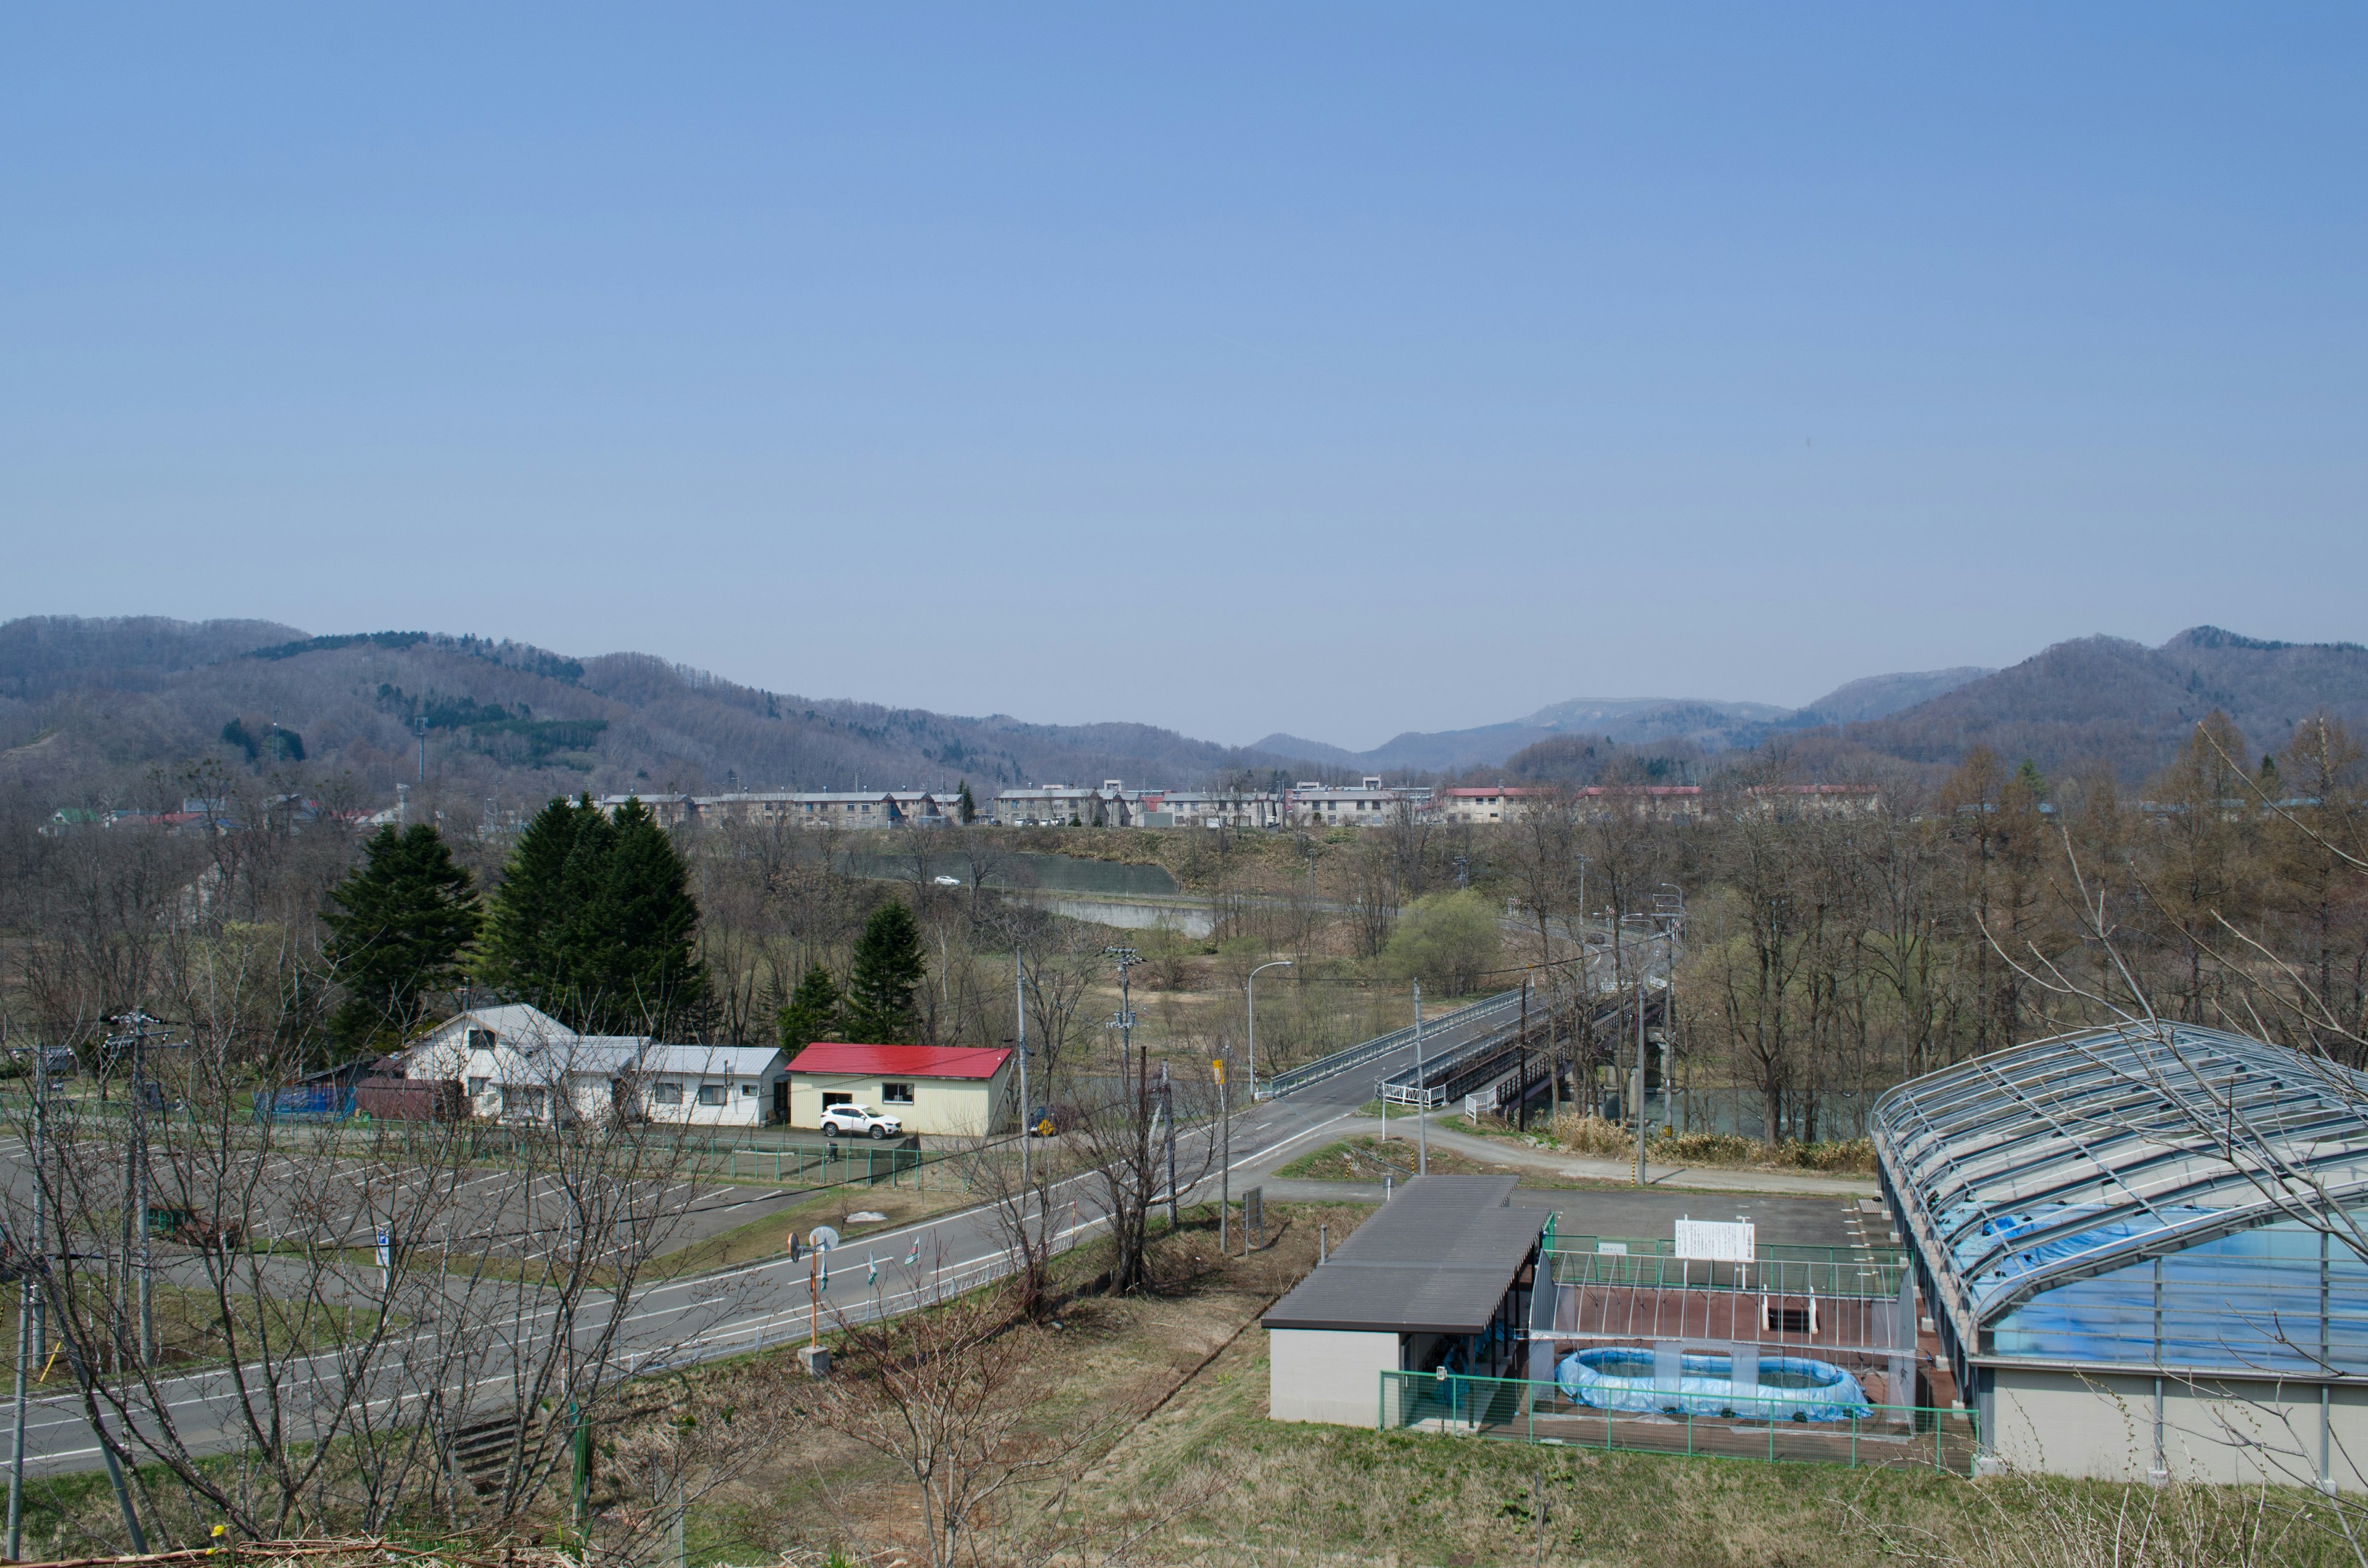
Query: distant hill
(1874, 697)
(1712, 725)
(2107, 699)
(88, 708)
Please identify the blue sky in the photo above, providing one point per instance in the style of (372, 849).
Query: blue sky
(1334, 370)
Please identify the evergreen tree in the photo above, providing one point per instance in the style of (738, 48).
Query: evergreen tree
(888, 969)
(969, 804)
(639, 954)
(594, 922)
(812, 1011)
(404, 919)
(524, 935)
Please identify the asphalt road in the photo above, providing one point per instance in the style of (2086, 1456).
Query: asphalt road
(769, 1303)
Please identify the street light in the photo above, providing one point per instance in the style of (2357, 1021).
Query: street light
(1251, 987)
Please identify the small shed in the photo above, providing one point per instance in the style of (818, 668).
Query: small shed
(951, 1091)
(1438, 1278)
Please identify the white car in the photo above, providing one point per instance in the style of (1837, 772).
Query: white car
(859, 1121)
(949, 882)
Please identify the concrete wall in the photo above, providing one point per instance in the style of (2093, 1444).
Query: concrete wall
(2235, 1432)
(949, 1107)
(1321, 1374)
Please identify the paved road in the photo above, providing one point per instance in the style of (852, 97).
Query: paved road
(769, 1303)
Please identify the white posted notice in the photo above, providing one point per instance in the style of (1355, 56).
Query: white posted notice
(1720, 1241)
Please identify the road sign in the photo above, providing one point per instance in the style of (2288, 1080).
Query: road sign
(1218, 1066)
(386, 1249)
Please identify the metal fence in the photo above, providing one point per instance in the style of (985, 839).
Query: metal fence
(818, 1165)
(1518, 1410)
(1778, 1269)
(1352, 1057)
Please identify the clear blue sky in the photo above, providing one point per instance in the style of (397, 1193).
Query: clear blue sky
(1337, 370)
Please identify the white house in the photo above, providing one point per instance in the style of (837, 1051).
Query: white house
(715, 1085)
(519, 1065)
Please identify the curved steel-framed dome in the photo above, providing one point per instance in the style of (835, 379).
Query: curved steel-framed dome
(2159, 1196)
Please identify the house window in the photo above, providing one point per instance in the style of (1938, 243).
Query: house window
(710, 1094)
(747, 1091)
(477, 1087)
(666, 1093)
(830, 1100)
(481, 1039)
(896, 1094)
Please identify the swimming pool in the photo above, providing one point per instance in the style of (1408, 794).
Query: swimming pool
(1621, 1377)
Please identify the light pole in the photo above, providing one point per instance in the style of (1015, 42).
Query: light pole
(1422, 1094)
(1251, 987)
(1026, 1110)
(1225, 1104)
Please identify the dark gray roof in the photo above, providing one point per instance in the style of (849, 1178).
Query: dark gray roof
(1437, 1258)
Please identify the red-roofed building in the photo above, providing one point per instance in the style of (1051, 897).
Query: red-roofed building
(959, 1091)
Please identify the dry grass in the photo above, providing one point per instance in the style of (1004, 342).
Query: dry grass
(1586, 1133)
(1366, 1158)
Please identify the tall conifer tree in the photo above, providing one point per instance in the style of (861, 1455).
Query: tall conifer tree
(888, 968)
(595, 923)
(813, 1012)
(403, 919)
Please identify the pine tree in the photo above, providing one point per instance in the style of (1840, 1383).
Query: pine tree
(813, 1012)
(524, 933)
(888, 968)
(595, 924)
(969, 804)
(642, 949)
(404, 919)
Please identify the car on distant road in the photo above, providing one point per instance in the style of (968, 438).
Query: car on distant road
(948, 882)
(859, 1121)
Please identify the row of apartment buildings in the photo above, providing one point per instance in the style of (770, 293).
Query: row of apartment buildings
(1368, 803)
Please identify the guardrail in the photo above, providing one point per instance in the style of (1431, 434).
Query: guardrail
(1444, 1075)
(1349, 1058)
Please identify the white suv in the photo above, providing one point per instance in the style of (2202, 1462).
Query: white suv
(856, 1120)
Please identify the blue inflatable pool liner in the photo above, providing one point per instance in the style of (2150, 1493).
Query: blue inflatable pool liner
(1788, 1387)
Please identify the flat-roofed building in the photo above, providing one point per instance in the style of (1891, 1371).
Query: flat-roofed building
(1439, 1278)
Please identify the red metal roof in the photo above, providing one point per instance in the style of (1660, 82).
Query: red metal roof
(901, 1061)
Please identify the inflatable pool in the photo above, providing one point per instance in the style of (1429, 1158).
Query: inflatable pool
(1789, 1387)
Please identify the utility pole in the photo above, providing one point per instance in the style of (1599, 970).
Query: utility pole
(1521, 1074)
(1422, 1094)
(1642, 1121)
(31, 1302)
(136, 1260)
(1027, 1109)
(1124, 1023)
(1225, 1153)
(423, 747)
(1167, 1113)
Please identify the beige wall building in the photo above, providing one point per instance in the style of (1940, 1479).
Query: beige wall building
(945, 1091)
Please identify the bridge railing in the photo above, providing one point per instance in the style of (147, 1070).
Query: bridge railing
(1348, 1059)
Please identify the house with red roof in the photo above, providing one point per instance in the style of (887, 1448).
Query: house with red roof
(947, 1090)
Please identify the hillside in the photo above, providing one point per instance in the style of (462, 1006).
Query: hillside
(1709, 724)
(89, 708)
(2104, 698)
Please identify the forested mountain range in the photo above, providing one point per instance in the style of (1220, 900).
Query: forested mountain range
(91, 709)
(108, 711)
(2106, 699)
